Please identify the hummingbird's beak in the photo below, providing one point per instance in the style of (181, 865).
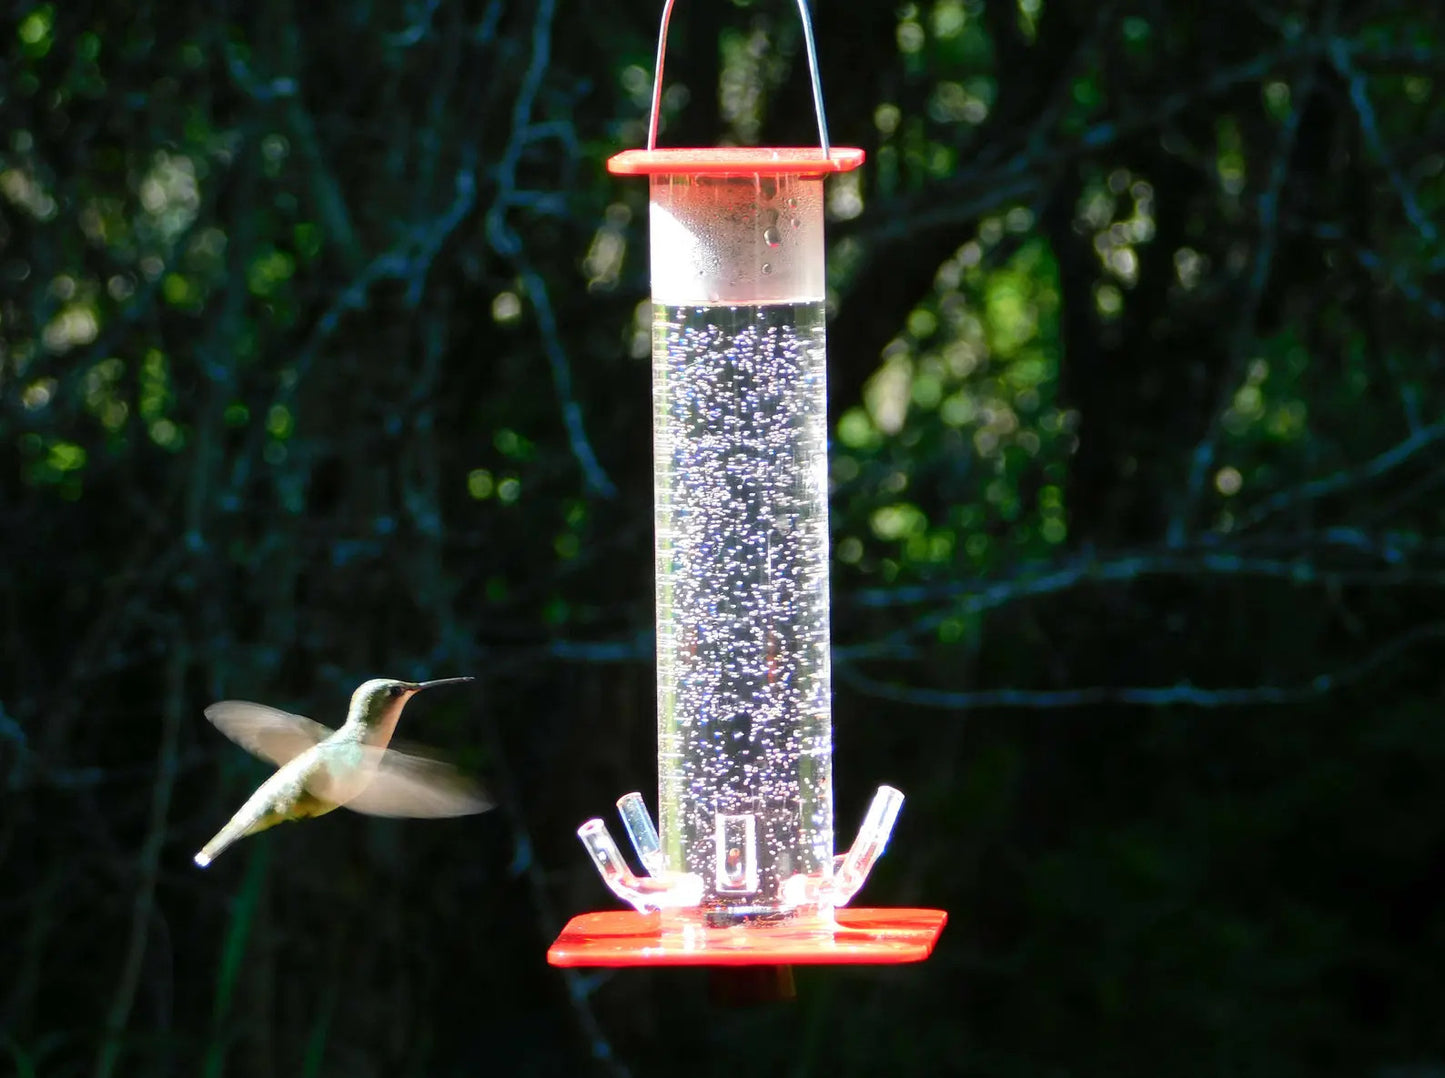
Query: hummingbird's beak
(441, 681)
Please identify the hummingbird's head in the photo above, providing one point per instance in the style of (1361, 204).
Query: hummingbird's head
(380, 700)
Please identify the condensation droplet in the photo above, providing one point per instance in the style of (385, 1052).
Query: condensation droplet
(767, 268)
(772, 237)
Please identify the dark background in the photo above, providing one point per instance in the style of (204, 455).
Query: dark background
(323, 340)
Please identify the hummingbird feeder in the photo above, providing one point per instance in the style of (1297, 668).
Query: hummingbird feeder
(741, 871)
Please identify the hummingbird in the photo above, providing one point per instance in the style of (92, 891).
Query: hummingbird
(321, 769)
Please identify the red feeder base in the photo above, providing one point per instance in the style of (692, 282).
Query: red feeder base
(861, 937)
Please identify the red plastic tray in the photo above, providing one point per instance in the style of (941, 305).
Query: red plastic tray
(862, 937)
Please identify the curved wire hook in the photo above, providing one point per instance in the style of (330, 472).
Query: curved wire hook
(812, 71)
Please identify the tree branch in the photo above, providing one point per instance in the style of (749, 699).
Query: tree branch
(976, 597)
(508, 244)
(1339, 54)
(1182, 694)
(143, 904)
(1202, 460)
(1342, 480)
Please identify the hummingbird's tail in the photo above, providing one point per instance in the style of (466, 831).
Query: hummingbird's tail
(239, 826)
(209, 850)
(224, 837)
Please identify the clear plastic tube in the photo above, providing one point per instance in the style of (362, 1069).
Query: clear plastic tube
(853, 868)
(740, 486)
(641, 830)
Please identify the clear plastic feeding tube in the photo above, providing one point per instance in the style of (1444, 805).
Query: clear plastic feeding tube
(741, 520)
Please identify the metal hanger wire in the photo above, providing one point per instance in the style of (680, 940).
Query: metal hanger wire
(812, 72)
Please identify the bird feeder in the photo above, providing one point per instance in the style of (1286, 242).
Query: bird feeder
(742, 869)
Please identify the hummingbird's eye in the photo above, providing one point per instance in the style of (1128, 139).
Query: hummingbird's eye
(396, 690)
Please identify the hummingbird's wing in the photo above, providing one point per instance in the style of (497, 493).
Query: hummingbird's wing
(402, 785)
(273, 735)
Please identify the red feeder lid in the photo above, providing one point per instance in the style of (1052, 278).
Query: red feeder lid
(862, 937)
(736, 161)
